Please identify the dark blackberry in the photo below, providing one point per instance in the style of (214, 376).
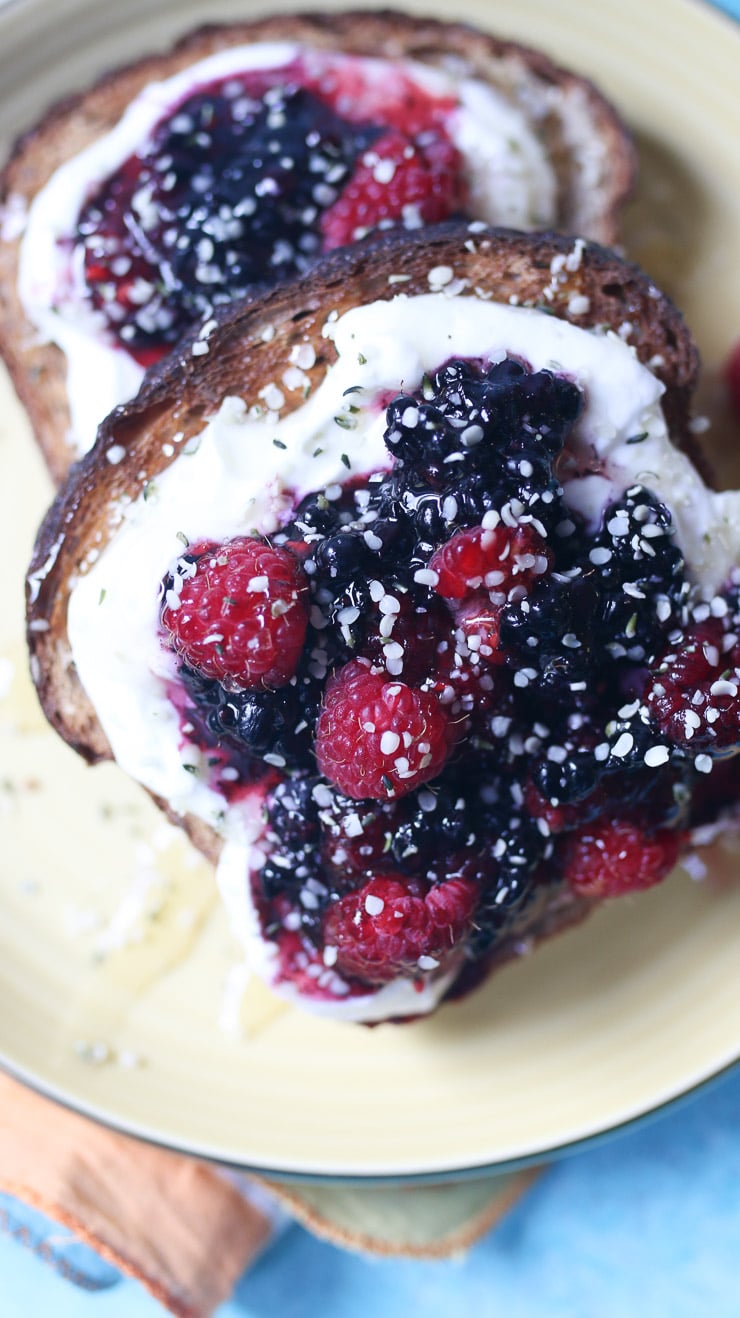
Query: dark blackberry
(347, 614)
(549, 406)
(256, 724)
(570, 779)
(227, 197)
(505, 867)
(293, 815)
(438, 824)
(391, 539)
(315, 516)
(467, 419)
(552, 628)
(642, 574)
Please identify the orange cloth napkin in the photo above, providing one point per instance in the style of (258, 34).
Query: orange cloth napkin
(186, 1230)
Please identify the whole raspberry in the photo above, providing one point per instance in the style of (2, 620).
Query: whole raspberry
(494, 560)
(608, 858)
(238, 612)
(379, 738)
(397, 180)
(693, 694)
(391, 927)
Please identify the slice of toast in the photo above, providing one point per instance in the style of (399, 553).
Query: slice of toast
(248, 350)
(586, 142)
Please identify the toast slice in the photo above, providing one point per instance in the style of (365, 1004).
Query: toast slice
(586, 142)
(247, 352)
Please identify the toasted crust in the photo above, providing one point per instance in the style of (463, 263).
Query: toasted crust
(588, 144)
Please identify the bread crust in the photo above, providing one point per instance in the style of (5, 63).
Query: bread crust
(589, 146)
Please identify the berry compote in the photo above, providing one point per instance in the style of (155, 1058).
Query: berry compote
(248, 179)
(468, 700)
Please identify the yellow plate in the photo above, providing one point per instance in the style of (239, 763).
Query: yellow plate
(116, 964)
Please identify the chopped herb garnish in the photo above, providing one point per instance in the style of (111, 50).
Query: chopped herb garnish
(317, 452)
(190, 768)
(353, 389)
(279, 443)
(637, 439)
(345, 422)
(362, 359)
(181, 536)
(102, 595)
(346, 461)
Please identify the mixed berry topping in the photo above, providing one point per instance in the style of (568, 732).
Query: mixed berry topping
(608, 858)
(462, 695)
(247, 180)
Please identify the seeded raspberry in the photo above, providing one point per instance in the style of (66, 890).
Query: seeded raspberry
(494, 560)
(379, 739)
(607, 859)
(693, 695)
(397, 180)
(238, 612)
(391, 927)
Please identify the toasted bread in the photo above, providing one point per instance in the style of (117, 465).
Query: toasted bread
(249, 348)
(586, 142)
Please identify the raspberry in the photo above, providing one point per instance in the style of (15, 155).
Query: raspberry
(496, 559)
(397, 180)
(391, 927)
(607, 859)
(238, 612)
(379, 739)
(693, 695)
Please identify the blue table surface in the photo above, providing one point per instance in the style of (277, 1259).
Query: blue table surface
(645, 1223)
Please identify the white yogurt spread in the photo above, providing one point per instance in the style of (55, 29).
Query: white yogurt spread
(234, 479)
(509, 176)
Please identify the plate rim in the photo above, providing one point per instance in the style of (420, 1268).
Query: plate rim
(132, 1129)
(476, 1171)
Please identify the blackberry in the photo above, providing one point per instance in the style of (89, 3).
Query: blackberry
(465, 419)
(293, 816)
(642, 574)
(314, 517)
(227, 197)
(347, 616)
(257, 724)
(438, 824)
(552, 627)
